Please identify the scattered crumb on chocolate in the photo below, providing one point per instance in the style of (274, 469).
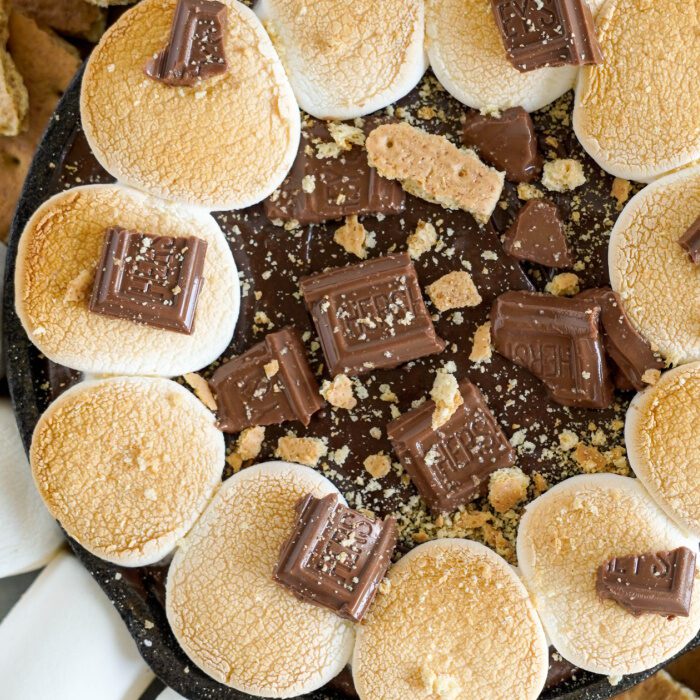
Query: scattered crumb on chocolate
(482, 349)
(651, 376)
(302, 450)
(378, 465)
(248, 446)
(507, 488)
(565, 284)
(620, 190)
(446, 396)
(201, 389)
(339, 392)
(352, 236)
(455, 290)
(422, 239)
(563, 174)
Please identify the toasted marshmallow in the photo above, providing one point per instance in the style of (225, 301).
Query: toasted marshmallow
(452, 620)
(58, 254)
(347, 58)
(663, 443)
(659, 285)
(636, 113)
(225, 143)
(467, 55)
(127, 465)
(29, 536)
(570, 531)
(227, 613)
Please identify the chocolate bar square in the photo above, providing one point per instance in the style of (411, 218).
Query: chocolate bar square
(154, 280)
(269, 384)
(342, 186)
(539, 33)
(557, 339)
(370, 315)
(660, 582)
(451, 465)
(336, 557)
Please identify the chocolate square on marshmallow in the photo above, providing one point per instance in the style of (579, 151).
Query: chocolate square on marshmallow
(370, 315)
(154, 280)
(336, 557)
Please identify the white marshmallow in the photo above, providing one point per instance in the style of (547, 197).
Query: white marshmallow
(29, 536)
(65, 641)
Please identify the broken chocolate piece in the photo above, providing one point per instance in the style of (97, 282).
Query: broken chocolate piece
(627, 348)
(538, 235)
(451, 465)
(61, 378)
(690, 241)
(660, 583)
(370, 315)
(508, 142)
(154, 280)
(323, 189)
(336, 557)
(559, 341)
(269, 384)
(539, 33)
(195, 49)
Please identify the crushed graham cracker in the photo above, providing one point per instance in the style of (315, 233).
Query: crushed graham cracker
(271, 368)
(565, 284)
(507, 488)
(651, 376)
(302, 450)
(352, 236)
(620, 190)
(563, 174)
(339, 392)
(481, 344)
(80, 287)
(447, 397)
(346, 135)
(527, 191)
(378, 465)
(454, 290)
(201, 389)
(422, 239)
(248, 446)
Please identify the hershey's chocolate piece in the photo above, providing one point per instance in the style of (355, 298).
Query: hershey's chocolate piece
(451, 465)
(323, 189)
(659, 583)
(539, 33)
(538, 235)
(336, 557)
(269, 384)
(690, 241)
(195, 49)
(370, 315)
(627, 348)
(508, 142)
(559, 341)
(154, 280)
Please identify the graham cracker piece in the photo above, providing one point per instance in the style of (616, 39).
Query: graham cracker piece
(431, 167)
(14, 100)
(659, 687)
(47, 64)
(74, 17)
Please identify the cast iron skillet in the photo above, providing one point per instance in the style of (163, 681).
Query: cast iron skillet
(139, 598)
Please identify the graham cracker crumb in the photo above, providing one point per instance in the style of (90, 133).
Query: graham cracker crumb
(271, 368)
(308, 183)
(651, 376)
(481, 344)
(565, 284)
(352, 236)
(539, 483)
(620, 190)
(247, 447)
(80, 287)
(201, 389)
(422, 240)
(447, 397)
(563, 174)
(454, 290)
(378, 465)
(526, 192)
(507, 488)
(440, 685)
(589, 458)
(339, 393)
(568, 439)
(304, 450)
(345, 135)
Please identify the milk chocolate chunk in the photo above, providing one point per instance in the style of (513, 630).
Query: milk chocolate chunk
(267, 385)
(370, 315)
(559, 341)
(690, 241)
(154, 280)
(451, 465)
(508, 142)
(327, 188)
(539, 33)
(336, 557)
(660, 583)
(627, 348)
(537, 234)
(195, 49)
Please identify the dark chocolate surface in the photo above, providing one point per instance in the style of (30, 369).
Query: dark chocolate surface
(138, 594)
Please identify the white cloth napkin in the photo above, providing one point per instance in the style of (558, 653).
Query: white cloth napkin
(64, 641)
(29, 536)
